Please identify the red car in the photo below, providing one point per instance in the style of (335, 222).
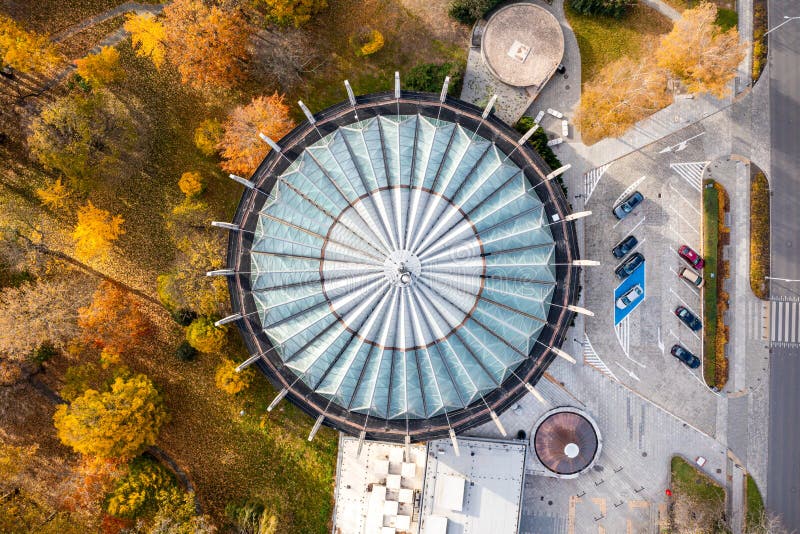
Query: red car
(691, 256)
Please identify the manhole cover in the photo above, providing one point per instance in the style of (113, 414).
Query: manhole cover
(566, 87)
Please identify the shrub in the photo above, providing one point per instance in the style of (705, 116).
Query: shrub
(204, 336)
(609, 8)
(185, 352)
(147, 487)
(229, 380)
(207, 136)
(44, 352)
(468, 11)
(251, 516)
(539, 142)
(367, 42)
(191, 184)
(184, 316)
(429, 77)
(759, 235)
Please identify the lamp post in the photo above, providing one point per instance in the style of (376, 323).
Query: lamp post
(787, 21)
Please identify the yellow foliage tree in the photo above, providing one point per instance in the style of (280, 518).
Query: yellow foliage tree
(698, 53)
(147, 37)
(55, 195)
(191, 184)
(623, 93)
(23, 50)
(101, 68)
(241, 148)
(230, 381)
(95, 232)
(206, 43)
(294, 12)
(207, 136)
(204, 336)
(118, 423)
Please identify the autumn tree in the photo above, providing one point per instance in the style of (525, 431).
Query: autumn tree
(206, 43)
(38, 313)
(623, 93)
(295, 12)
(82, 135)
(113, 320)
(699, 53)
(55, 195)
(147, 36)
(207, 136)
(204, 336)
(101, 68)
(118, 423)
(23, 50)
(96, 232)
(13, 459)
(191, 184)
(241, 147)
(229, 380)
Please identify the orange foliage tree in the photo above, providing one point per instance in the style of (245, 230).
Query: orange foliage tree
(113, 320)
(623, 93)
(118, 423)
(23, 50)
(698, 53)
(101, 68)
(241, 148)
(96, 231)
(191, 184)
(147, 36)
(206, 43)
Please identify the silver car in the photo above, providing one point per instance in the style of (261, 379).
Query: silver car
(630, 296)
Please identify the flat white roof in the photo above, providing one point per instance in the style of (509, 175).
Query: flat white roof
(364, 503)
(491, 475)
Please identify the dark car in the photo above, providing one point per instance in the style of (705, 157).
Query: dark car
(688, 318)
(630, 265)
(691, 256)
(624, 246)
(691, 361)
(626, 207)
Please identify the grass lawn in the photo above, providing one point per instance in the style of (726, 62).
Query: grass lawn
(603, 40)
(698, 503)
(680, 5)
(711, 209)
(755, 504)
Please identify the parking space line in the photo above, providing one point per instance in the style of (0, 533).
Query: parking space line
(628, 190)
(637, 246)
(691, 373)
(691, 205)
(692, 228)
(686, 283)
(683, 301)
(683, 239)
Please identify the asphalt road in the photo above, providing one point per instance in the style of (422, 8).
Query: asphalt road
(783, 471)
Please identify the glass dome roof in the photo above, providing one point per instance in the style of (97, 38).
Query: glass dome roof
(402, 267)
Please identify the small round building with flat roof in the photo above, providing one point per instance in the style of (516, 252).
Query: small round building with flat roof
(567, 442)
(522, 45)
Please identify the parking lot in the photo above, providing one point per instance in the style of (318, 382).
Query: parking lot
(635, 344)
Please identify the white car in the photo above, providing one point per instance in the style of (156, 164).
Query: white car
(564, 128)
(554, 142)
(539, 117)
(630, 296)
(555, 113)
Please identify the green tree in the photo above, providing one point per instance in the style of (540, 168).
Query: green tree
(610, 8)
(118, 423)
(82, 135)
(429, 77)
(468, 11)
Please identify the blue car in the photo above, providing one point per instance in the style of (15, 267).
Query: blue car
(624, 246)
(626, 207)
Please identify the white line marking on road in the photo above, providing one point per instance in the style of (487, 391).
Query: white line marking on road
(692, 288)
(628, 371)
(638, 244)
(682, 239)
(591, 179)
(660, 341)
(691, 373)
(690, 204)
(630, 189)
(679, 147)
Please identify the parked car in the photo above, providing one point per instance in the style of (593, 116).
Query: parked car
(624, 209)
(691, 276)
(630, 265)
(691, 256)
(623, 247)
(688, 318)
(691, 361)
(630, 296)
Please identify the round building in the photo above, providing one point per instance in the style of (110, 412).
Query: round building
(402, 267)
(567, 442)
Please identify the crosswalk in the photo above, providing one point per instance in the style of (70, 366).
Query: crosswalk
(784, 323)
(590, 356)
(757, 320)
(691, 172)
(591, 179)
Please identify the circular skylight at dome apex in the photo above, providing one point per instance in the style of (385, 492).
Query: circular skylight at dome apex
(403, 267)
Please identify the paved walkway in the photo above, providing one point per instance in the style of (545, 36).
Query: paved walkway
(104, 16)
